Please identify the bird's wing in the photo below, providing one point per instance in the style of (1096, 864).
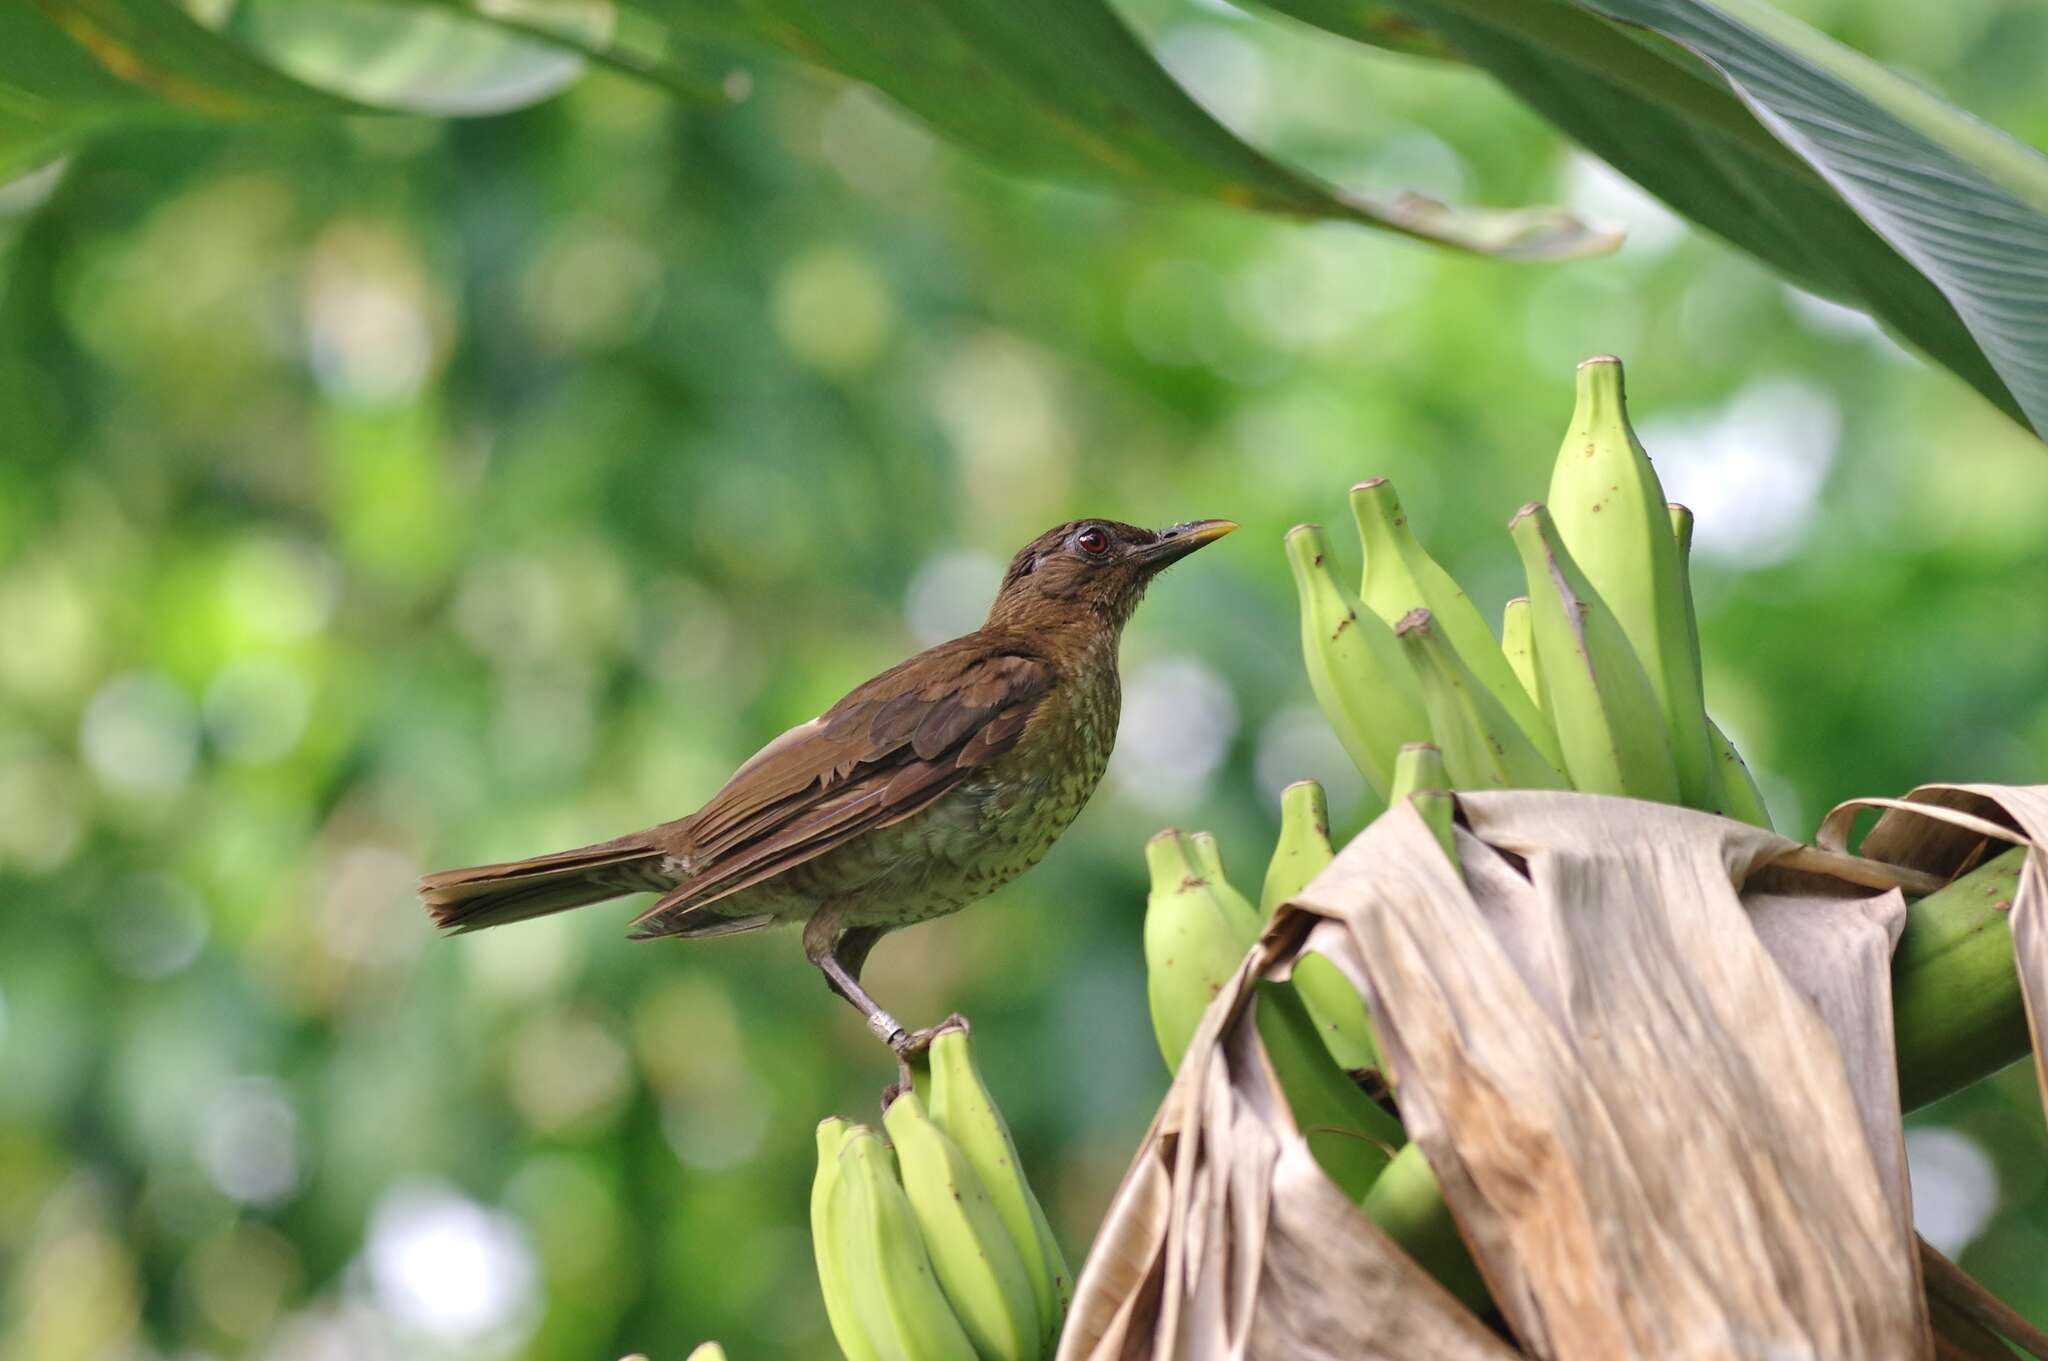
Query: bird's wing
(881, 754)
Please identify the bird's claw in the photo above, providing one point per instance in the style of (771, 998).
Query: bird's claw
(911, 1044)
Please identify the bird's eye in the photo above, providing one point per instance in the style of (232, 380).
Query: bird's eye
(1092, 540)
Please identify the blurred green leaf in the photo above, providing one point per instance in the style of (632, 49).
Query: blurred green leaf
(1062, 90)
(1841, 174)
(1381, 23)
(69, 68)
(423, 57)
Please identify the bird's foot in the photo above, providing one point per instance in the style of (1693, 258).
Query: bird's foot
(911, 1044)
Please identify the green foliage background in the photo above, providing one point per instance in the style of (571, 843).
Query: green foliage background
(385, 495)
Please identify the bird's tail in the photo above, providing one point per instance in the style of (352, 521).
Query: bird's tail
(491, 895)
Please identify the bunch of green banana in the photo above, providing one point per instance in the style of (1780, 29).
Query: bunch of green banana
(1596, 681)
(938, 1251)
(1197, 931)
(1365, 690)
(1611, 515)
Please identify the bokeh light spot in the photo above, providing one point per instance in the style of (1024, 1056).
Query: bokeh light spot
(449, 1267)
(249, 1141)
(1179, 718)
(1955, 1186)
(950, 594)
(832, 310)
(1751, 470)
(140, 735)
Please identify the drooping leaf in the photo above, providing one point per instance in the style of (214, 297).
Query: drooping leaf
(1852, 181)
(70, 68)
(424, 57)
(1062, 90)
(1944, 827)
(1378, 22)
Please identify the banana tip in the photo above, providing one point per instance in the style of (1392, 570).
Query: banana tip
(1598, 359)
(1527, 509)
(1369, 484)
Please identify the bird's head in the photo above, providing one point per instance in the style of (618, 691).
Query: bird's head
(1092, 569)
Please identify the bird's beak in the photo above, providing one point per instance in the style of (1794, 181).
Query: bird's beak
(1177, 542)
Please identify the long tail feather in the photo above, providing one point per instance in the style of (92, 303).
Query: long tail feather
(492, 895)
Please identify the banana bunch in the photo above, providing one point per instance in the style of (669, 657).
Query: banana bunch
(934, 1249)
(1595, 682)
(1198, 929)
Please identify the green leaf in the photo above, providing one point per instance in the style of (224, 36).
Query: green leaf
(1848, 179)
(70, 68)
(424, 57)
(1060, 89)
(1955, 198)
(1378, 22)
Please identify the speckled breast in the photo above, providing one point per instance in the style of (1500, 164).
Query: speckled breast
(990, 828)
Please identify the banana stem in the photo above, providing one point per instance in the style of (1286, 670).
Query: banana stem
(1957, 1016)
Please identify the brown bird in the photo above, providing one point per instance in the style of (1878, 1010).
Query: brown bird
(923, 790)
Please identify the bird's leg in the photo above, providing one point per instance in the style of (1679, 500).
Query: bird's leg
(839, 955)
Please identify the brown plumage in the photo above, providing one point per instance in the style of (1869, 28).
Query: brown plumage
(921, 791)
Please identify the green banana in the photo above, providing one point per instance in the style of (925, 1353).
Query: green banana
(1400, 576)
(1440, 811)
(707, 1351)
(1303, 850)
(1740, 798)
(847, 1329)
(1518, 645)
(1304, 845)
(1420, 778)
(1350, 1135)
(1606, 711)
(1482, 747)
(1610, 513)
(1363, 686)
(1209, 859)
(1419, 767)
(896, 1296)
(1407, 1203)
(977, 1262)
(1197, 930)
(962, 1107)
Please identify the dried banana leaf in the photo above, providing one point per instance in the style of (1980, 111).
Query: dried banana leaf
(1948, 828)
(1647, 1052)
(1226, 1240)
